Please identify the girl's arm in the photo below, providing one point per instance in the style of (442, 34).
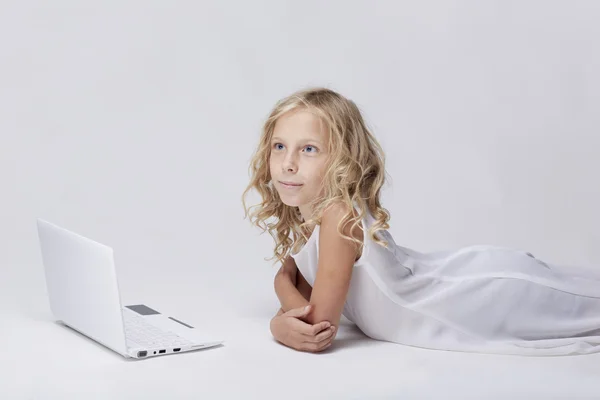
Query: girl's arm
(285, 286)
(336, 262)
(303, 286)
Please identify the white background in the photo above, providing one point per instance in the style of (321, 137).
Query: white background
(133, 123)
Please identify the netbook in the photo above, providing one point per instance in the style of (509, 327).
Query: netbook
(84, 294)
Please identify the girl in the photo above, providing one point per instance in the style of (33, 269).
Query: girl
(319, 172)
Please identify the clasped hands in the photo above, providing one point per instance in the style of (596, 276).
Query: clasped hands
(290, 330)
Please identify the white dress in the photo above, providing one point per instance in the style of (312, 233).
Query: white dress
(484, 299)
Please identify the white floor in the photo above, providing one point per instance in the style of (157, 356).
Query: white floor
(42, 359)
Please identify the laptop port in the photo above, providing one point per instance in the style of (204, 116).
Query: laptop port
(176, 350)
(162, 351)
(142, 353)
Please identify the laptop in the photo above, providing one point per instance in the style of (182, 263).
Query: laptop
(84, 295)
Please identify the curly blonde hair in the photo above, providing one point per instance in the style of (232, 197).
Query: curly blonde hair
(355, 174)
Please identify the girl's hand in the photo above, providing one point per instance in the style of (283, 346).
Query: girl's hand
(291, 331)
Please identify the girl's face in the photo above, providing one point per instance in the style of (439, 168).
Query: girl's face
(298, 158)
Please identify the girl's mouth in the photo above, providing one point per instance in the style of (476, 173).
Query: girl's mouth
(290, 185)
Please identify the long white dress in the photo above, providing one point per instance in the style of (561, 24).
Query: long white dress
(484, 299)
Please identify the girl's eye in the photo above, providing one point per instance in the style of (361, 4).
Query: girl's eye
(308, 149)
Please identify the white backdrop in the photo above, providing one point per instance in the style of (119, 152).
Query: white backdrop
(133, 123)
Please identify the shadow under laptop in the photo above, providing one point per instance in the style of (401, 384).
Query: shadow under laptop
(114, 353)
(85, 338)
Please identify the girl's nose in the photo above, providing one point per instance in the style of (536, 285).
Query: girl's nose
(289, 167)
(289, 164)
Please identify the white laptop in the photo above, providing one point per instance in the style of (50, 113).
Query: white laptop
(84, 295)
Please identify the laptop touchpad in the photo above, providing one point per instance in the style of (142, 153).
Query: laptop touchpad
(143, 310)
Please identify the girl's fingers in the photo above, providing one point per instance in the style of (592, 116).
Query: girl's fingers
(298, 312)
(316, 328)
(326, 334)
(315, 347)
(308, 329)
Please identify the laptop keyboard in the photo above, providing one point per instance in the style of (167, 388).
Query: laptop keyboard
(139, 333)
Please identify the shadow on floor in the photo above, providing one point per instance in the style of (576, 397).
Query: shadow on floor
(350, 336)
